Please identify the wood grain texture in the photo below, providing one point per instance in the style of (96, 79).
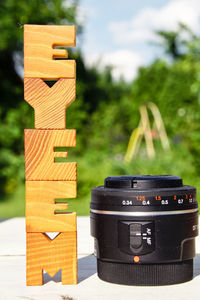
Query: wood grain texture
(39, 51)
(49, 103)
(40, 155)
(51, 256)
(61, 154)
(41, 206)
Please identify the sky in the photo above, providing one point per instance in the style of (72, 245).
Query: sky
(121, 33)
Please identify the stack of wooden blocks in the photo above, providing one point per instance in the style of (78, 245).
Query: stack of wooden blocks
(49, 182)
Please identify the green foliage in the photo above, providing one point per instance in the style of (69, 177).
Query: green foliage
(105, 112)
(92, 171)
(175, 87)
(15, 114)
(14, 14)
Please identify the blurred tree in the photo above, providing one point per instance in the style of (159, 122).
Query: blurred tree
(15, 114)
(176, 43)
(105, 111)
(94, 88)
(174, 85)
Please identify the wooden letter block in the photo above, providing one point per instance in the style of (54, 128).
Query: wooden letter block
(39, 51)
(40, 155)
(41, 206)
(50, 176)
(49, 103)
(51, 256)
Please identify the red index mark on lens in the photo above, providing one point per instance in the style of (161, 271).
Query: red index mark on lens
(174, 197)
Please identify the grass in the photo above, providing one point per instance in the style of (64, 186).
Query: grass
(13, 205)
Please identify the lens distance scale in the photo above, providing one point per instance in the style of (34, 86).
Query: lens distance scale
(167, 192)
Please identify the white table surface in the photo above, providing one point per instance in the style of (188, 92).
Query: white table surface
(13, 277)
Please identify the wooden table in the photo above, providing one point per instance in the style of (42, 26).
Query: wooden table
(13, 283)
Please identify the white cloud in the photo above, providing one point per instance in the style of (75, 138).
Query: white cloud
(141, 27)
(124, 62)
(83, 14)
(135, 34)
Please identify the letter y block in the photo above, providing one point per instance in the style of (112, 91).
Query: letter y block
(49, 103)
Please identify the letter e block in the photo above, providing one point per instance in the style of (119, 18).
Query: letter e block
(39, 51)
(41, 206)
(40, 155)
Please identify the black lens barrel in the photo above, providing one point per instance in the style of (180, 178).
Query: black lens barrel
(144, 229)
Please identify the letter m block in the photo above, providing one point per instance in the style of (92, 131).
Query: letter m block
(51, 256)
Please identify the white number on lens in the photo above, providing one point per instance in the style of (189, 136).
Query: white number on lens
(164, 202)
(194, 227)
(180, 201)
(127, 202)
(145, 202)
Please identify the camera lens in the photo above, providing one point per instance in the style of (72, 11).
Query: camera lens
(144, 229)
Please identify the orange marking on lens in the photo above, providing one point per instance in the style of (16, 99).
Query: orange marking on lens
(136, 259)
